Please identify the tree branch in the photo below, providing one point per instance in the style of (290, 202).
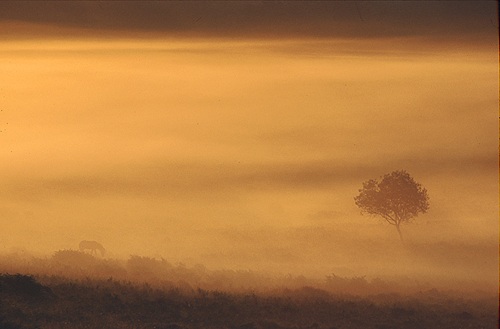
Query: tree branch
(388, 218)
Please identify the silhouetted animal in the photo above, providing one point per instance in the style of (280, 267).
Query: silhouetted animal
(93, 246)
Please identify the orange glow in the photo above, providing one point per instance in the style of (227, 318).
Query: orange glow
(244, 154)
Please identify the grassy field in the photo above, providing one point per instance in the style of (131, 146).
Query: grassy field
(76, 290)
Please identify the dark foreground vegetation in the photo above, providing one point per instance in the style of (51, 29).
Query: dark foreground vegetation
(63, 303)
(76, 290)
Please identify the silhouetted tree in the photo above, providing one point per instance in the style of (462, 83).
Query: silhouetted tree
(397, 198)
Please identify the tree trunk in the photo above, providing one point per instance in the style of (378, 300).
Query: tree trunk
(400, 234)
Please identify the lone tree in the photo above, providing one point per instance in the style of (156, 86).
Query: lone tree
(397, 198)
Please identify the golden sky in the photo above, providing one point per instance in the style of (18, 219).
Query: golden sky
(239, 133)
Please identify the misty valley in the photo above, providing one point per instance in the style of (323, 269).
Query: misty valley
(249, 165)
(302, 277)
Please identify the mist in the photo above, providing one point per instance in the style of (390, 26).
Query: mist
(247, 154)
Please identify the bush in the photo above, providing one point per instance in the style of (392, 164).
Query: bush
(24, 286)
(73, 258)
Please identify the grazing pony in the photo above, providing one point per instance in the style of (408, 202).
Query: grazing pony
(93, 246)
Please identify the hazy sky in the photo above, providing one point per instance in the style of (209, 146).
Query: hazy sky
(347, 19)
(214, 129)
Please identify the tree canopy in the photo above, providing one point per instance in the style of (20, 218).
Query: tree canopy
(397, 198)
